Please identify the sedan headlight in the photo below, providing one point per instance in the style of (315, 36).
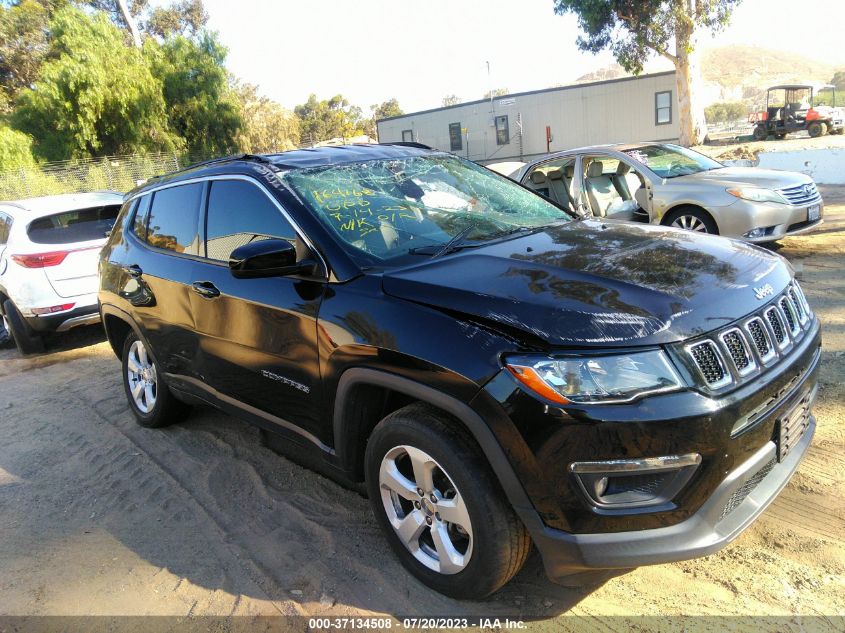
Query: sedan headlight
(596, 379)
(757, 194)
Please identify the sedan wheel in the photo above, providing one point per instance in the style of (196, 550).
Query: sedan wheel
(426, 510)
(690, 223)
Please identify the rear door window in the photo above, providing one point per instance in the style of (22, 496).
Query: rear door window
(172, 223)
(81, 225)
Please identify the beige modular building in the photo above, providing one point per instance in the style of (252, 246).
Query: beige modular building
(527, 124)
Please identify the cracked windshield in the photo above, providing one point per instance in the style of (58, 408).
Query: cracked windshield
(671, 161)
(393, 210)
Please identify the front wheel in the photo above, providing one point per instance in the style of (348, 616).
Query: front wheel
(691, 219)
(817, 129)
(761, 133)
(440, 506)
(149, 398)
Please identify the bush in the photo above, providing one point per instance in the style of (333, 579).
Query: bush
(15, 149)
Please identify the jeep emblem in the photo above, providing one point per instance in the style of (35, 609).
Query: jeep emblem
(764, 291)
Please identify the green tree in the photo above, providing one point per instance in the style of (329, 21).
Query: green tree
(142, 18)
(725, 111)
(495, 92)
(200, 106)
(634, 29)
(328, 119)
(24, 30)
(267, 126)
(450, 100)
(15, 149)
(380, 111)
(838, 80)
(94, 95)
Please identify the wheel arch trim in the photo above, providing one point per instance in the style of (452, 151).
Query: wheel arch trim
(472, 421)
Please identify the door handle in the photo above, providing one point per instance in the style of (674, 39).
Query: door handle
(134, 270)
(205, 289)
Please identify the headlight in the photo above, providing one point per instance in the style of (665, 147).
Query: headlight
(596, 379)
(756, 194)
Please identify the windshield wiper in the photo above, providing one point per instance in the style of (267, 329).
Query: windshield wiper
(456, 241)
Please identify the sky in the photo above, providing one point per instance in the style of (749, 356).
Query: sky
(418, 52)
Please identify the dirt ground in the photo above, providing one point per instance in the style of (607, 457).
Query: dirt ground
(101, 516)
(731, 149)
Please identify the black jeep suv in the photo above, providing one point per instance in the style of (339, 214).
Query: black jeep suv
(493, 370)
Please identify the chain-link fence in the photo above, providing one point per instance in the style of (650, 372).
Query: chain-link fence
(112, 173)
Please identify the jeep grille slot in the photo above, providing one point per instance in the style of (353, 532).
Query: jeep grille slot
(777, 328)
(707, 359)
(747, 488)
(759, 336)
(736, 348)
(738, 351)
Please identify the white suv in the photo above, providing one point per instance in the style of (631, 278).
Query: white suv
(49, 249)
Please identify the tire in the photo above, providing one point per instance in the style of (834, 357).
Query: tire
(486, 541)
(817, 129)
(761, 133)
(691, 219)
(154, 405)
(27, 341)
(6, 339)
(780, 137)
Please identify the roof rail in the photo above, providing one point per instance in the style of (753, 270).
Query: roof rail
(253, 157)
(408, 144)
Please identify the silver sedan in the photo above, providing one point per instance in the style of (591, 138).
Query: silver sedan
(661, 183)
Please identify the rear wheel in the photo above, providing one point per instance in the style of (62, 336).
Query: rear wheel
(440, 506)
(27, 341)
(691, 219)
(149, 398)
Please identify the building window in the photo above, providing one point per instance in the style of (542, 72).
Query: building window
(503, 136)
(456, 141)
(663, 107)
(407, 136)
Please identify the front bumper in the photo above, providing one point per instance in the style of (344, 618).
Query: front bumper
(717, 522)
(779, 220)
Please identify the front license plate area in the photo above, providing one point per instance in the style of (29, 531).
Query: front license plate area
(792, 427)
(814, 213)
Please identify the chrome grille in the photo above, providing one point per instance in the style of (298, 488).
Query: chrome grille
(777, 326)
(707, 358)
(789, 313)
(761, 338)
(801, 195)
(799, 306)
(738, 351)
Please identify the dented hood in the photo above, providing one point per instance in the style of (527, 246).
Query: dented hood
(590, 284)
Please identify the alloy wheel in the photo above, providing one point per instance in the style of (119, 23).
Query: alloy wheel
(690, 223)
(426, 509)
(142, 377)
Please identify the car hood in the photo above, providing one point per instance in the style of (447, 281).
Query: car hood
(590, 284)
(748, 176)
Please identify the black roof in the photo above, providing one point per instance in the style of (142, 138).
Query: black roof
(295, 159)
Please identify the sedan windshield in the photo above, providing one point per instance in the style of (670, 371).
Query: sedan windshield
(389, 210)
(671, 161)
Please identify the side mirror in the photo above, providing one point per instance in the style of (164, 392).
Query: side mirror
(267, 258)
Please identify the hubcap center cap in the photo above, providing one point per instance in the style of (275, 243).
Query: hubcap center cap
(427, 506)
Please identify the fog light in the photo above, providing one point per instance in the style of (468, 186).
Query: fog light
(759, 232)
(634, 484)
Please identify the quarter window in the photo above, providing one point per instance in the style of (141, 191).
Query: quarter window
(5, 228)
(240, 213)
(502, 131)
(456, 141)
(663, 107)
(139, 220)
(173, 219)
